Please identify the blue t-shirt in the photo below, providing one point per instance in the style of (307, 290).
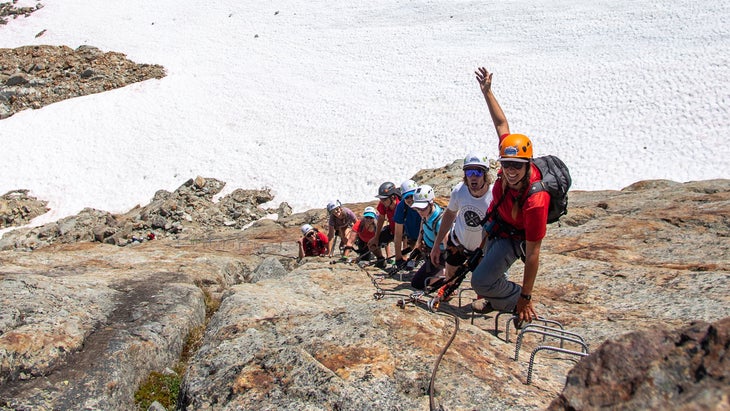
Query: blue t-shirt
(410, 219)
(431, 227)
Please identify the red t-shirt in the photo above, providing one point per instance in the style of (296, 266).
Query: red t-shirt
(532, 217)
(389, 213)
(316, 247)
(364, 234)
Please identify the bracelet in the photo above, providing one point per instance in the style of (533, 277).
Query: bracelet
(527, 297)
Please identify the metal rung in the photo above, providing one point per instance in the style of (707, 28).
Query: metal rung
(514, 317)
(559, 334)
(560, 330)
(548, 348)
(460, 292)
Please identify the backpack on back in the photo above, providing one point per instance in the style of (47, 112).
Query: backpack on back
(556, 181)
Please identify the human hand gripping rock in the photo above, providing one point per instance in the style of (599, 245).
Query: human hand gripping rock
(525, 310)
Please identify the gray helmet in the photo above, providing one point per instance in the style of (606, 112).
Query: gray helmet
(332, 205)
(386, 190)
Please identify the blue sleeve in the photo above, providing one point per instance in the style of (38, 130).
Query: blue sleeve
(400, 213)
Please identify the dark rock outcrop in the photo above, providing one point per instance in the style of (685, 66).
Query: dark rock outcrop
(35, 76)
(12, 11)
(657, 369)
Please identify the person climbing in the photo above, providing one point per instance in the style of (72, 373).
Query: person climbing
(407, 223)
(389, 198)
(468, 205)
(341, 220)
(362, 232)
(312, 243)
(431, 214)
(516, 221)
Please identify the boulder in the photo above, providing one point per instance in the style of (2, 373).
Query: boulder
(659, 369)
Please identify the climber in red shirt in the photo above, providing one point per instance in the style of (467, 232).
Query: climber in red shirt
(516, 221)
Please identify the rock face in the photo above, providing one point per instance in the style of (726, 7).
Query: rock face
(35, 76)
(83, 329)
(641, 274)
(318, 340)
(18, 208)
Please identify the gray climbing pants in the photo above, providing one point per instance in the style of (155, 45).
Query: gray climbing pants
(489, 279)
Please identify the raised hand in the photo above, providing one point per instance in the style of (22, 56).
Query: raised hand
(485, 79)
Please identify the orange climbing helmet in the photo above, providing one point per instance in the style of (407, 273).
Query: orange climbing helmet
(516, 147)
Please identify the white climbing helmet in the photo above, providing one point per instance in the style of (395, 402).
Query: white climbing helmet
(407, 188)
(423, 196)
(476, 160)
(306, 228)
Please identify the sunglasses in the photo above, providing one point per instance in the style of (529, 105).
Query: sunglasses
(369, 218)
(310, 234)
(517, 165)
(473, 172)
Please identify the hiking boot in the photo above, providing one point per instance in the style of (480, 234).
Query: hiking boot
(481, 306)
(380, 263)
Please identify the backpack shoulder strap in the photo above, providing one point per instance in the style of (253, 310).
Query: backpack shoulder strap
(435, 221)
(536, 187)
(431, 226)
(488, 216)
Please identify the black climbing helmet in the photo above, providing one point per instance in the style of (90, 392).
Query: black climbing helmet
(386, 190)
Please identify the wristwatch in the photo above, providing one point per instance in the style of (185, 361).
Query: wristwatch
(527, 297)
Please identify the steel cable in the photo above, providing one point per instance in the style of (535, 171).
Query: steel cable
(432, 400)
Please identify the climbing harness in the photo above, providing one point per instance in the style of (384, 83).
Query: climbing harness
(447, 287)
